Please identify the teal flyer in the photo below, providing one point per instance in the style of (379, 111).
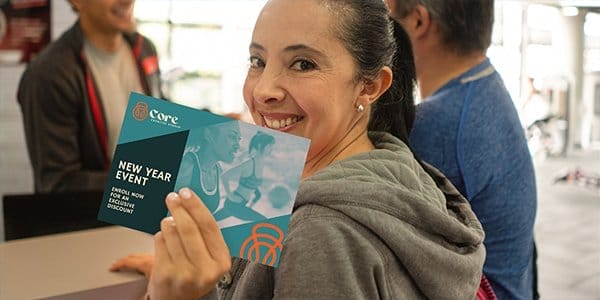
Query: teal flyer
(246, 175)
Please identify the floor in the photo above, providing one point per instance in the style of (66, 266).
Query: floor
(568, 229)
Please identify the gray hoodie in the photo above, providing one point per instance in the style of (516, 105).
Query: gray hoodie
(372, 226)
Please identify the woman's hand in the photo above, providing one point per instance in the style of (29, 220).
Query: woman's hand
(140, 262)
(190, 252)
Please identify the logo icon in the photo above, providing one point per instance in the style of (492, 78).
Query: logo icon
(140, 111)
(264, 245)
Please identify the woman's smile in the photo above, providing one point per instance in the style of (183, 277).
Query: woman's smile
(281, 123)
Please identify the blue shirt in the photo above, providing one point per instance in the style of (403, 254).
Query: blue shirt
(470, 130)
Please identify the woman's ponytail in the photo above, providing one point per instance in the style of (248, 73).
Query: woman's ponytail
(395, 109)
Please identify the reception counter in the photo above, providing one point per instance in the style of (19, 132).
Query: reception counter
(72, 265)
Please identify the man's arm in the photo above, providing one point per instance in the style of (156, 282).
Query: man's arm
(52, 116)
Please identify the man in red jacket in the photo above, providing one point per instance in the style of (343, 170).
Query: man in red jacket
(73, 95)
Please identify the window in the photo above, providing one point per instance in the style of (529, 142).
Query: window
(202, 47)
(591, 59)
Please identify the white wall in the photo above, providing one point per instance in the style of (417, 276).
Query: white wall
(15, 170)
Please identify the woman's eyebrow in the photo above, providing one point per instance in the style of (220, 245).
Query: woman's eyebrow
(257, 46)
(290, 48)
(307, 50)
(303, 47)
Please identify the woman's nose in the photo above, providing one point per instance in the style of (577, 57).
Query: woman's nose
(269, 85)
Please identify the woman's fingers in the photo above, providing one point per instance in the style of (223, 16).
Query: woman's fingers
(206, 224)
(193, 244)
(164, 271)
(184, 267)
(173, 242)
(162, 259)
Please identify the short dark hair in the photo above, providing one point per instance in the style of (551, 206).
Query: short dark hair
(465, 25)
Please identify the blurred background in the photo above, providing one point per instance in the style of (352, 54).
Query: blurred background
(548, 52)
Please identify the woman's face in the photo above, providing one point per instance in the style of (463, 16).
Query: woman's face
(301, 78)
(226, 141)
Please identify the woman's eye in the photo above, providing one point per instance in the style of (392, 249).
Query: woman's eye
(303, 65)
(256, 62)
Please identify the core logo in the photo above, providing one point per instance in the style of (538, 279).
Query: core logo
(264, 244)
(140, 111)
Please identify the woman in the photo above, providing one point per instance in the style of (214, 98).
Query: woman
(200, 169)
(369, 221)
(249, 174)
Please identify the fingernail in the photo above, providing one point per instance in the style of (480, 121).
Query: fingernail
(170, 220)
(172, 197)
(185, 193)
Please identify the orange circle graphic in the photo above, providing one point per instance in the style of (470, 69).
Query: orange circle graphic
(253, 247)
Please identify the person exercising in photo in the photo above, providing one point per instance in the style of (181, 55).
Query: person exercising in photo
(239, 202)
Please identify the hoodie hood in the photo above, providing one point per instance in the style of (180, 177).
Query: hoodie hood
(431, 229)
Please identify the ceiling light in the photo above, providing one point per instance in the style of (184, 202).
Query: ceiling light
(570, 11)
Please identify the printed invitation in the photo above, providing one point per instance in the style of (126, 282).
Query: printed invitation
(246, 175)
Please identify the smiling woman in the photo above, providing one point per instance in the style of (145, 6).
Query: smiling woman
(300, 77)
(369, 221)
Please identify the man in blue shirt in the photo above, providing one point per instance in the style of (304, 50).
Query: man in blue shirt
(468, 127)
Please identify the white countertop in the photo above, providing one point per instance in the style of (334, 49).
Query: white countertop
(72, 265)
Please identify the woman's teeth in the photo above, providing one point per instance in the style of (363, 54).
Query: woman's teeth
(277, 124)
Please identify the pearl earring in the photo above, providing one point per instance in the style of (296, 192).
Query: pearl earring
(360, 108)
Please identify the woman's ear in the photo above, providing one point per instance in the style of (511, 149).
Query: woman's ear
(376, 87)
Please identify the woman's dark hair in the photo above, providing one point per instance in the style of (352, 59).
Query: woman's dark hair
(399, 99)
(260, 140)
(375, 41)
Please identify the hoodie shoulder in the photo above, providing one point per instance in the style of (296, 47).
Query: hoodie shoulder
(390, 167)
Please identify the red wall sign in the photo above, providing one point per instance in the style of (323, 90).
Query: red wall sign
(24, 29)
